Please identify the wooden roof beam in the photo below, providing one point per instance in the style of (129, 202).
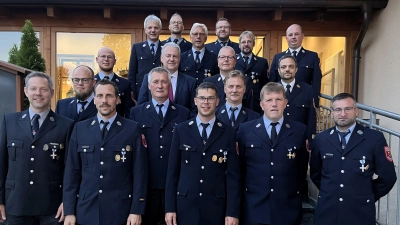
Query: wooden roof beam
(109, 13)
(164, 14)
(277, 15)
(220, 13)
(53, 11)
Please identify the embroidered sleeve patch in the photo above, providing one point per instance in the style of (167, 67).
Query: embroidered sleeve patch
(388, 154)
(144, 143)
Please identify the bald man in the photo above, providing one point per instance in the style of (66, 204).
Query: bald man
(106, 61)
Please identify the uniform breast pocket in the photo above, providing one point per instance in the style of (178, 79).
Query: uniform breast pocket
(14, 149)
(363, 166)
(220, 155)
(302, 105)
(253, 150)
(292, 153)
(327, 161)
(186, 68)
(121, 154)
(307, 65)
(143, 60)
(186, 151)
(87, 154)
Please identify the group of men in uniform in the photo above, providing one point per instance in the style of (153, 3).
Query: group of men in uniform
(211, 140)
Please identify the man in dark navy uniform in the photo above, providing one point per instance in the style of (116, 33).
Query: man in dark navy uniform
(234, 88)
(106, 171)
(203, 178)
(106, 61)
(352, 166)
(198, 62)
(81, 106)
(273, 159)
(176, 27)
(145, 55)
(254, 68)
(308, 65)
(226, 64)
(32, 151)
(183, 86)
(157, 119)
(223, 31)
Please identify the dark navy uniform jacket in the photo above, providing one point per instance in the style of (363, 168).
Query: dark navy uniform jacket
(184, 94)
(300, 108)
(100, 186)
(201, 188)
(244, 115)
(140, 63)
(124, 89)
(158, 135)
(257, 77)
(308, 70)
(219, 82)
(208, 65)
(272, 179)
(216, 46)
(347, 193)
(67, 108)
(184, 45)
(31, 180)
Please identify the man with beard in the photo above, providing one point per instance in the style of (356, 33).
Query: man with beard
(32, 151)
(198, 62)
(176, 28)
(145, 55)
(106, 61)
(183, 86)
(81, 106)
(308, 71)
(203, 168)
(223, 31)
(352, 167)
(105, 178)
(254, 68)
(226, 63)
(158, 118)
(233, 112)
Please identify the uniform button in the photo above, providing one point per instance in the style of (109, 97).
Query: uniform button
(60, 186)
(197, 71)
(153, 63)
(129, 196)
(161, 146)
(341, 185)
(368, 200)
(160, 156)
(342, 171)
(197, 78)
(100, 191)
(102, 149)
(101, 176)
(31, 182)
(177, 193)
(343, 158)
(13, 144)
(186, 149)
(31, 171)
(287, 105)
(272, 163)
(200, 194)
(101, 163)
(251, 146)
(272, 150)
(160, 136)
(84, 150)
(32, 159)
(202, 167)
(186, 161)
(204, 153)
(32, 146)
(272, 190)
(201, 181)
(287, 114)
(341, 199)
(272, 177)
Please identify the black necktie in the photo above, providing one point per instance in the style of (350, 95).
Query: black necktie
(223, 43)
(246, 61)
(83, 103)
(106, 77)
(152, 49)
(176, 41)
(197, 57)
(204, 133)
(273, 132)
(294, 54)
(343, 137)
(35, 124)
(288, 91)
(160, 114)
(233, 119)
(104, 130)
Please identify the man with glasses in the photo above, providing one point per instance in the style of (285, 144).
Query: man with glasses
(226, 64)
(223, 31)
(253, 67)
(106, 170)
(203, 177)
(198, 62)
(106, 61)
(176, 28)
(145, 55)
(352, 166)
(81, 106)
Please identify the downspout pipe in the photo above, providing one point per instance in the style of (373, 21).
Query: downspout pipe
(366, 9)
